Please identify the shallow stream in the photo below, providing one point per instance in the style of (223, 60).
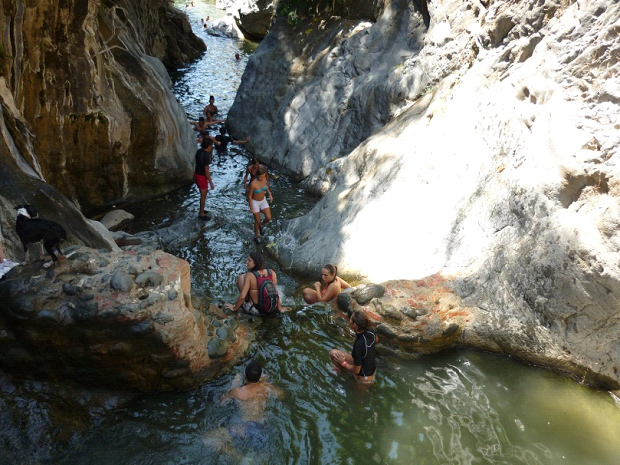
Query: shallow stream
(459, 407)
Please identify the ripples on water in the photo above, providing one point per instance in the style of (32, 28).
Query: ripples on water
(454, 408)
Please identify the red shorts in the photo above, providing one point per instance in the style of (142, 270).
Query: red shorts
(201, 182)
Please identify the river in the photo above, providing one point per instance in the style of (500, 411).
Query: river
(458, 407)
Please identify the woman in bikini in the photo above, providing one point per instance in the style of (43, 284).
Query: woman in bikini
(259, 189)
(332, 286)
(250, 172)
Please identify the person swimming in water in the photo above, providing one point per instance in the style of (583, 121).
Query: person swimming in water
(252, 398)
(361, 361)
(210, 108)
(223, 140)
(332, 286)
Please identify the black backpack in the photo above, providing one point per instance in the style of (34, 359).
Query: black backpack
(267, 294)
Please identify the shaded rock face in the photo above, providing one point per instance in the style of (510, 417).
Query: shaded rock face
(325, 85)
(20, 188)
(489, 154)
(87, 101)
(117, 320)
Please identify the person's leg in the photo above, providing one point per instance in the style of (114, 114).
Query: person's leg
(310, 296)
(203, 198)
(267, 213)
(256, 223)
(333, 355)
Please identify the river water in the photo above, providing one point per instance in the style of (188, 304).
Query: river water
(458, 407)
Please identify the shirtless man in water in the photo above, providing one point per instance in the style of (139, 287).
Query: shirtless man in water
(252, 399)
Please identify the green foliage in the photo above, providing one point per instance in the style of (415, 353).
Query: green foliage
(293, 10)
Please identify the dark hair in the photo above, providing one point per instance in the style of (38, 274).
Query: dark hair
(361, 320)
(254, 160)
(222, 130)
(206, 141)
(260, 171)
(331, 269)
(253, 372)
(211, 97)
(201, 119)
(259, 261)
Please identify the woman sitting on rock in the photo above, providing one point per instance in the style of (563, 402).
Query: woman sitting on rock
(250, 300)
(361, 360)
(333, 285)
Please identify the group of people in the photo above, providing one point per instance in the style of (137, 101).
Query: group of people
(256, 179)
(258, 292)
(258, 295)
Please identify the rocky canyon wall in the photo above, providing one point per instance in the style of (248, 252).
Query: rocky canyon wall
(85, 87)
(483, 149)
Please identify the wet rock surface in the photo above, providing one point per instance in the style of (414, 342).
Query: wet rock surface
(119, 320)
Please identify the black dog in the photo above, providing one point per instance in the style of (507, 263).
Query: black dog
(32, 229)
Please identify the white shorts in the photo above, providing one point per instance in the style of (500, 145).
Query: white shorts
(249, 308)
(258, 205)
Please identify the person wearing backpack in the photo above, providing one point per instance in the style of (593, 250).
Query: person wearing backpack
(258, 291)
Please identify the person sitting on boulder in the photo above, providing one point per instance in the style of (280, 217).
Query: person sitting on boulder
(333, 286)
(258, 292)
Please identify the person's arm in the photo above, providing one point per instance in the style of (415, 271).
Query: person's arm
(250, 191)
(208, 176)
(357, 358)
(343, 283)
(355, 369)
(215, 141)
(248, 174)
(241, 141)
(331, 292)
(242, 294)
(269, 192)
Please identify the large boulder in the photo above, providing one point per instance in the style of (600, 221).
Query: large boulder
(483, 149)
(87, 100)
(254, 17)
(119, 320)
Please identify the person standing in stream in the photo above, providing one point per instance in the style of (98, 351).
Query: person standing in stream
(202, 175)
(259, 189)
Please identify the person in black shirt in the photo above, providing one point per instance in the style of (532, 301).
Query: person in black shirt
(202, 175)
(361, 360)
(224, 140)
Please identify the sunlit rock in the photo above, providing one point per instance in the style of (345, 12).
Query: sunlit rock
(481, 145)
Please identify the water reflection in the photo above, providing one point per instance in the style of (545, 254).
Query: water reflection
(454, 408)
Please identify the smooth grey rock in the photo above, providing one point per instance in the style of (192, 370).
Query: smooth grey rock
(217, 348)
(116, 219)
(121, 281)
(149, 278)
